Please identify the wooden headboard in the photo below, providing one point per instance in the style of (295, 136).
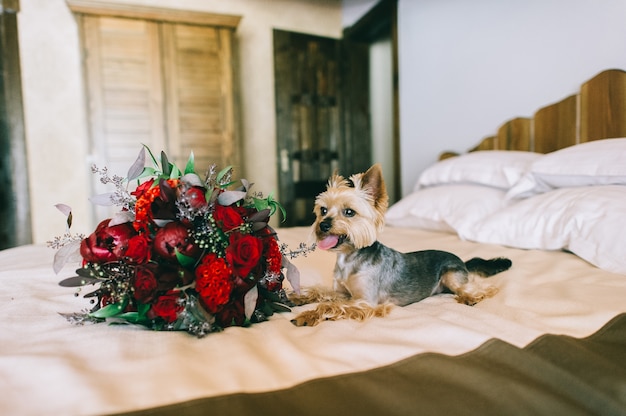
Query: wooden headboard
(598, 111)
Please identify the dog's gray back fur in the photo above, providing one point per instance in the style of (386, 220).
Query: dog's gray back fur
(400, 278)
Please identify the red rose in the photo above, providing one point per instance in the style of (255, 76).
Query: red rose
(138, 251)
(228, 218)
(144, 284)
(167, 307)
(174, 236)
(243, 253)
(106, 243)
(213, 282)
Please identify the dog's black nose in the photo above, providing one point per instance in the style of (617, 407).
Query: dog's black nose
(326, 225)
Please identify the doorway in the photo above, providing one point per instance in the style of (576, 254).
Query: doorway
(326, 118)
(378, 30)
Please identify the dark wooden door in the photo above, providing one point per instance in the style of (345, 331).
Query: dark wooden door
(321, 115)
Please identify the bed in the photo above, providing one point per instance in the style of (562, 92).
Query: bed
(548, 192)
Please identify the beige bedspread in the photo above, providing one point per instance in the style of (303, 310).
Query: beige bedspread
(48, 366)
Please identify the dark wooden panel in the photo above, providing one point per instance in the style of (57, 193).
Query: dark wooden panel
(309, 139)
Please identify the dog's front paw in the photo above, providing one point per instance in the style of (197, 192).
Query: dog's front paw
(307, 318)
(299, 300)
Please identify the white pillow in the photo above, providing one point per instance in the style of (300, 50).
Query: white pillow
(445, 208)
(496, 168)
(601, 162)
(588, 221)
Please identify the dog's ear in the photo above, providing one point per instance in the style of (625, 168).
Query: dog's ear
(373, 183)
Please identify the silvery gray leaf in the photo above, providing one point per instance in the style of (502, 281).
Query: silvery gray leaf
(122, 217)
(292, 275)
(161, 223)
(65, 209)
(77, 281)
(105, 199)
(67, 253)
(249, 301)
(192, 179)
(136, 169)
(227, 198)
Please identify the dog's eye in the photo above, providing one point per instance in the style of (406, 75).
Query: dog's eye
(349, 212)
(323, 210)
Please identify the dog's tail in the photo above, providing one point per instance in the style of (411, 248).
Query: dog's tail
(486, 268)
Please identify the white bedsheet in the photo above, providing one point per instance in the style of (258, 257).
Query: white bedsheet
(48, 366)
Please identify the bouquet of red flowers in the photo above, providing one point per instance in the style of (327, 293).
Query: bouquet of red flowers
(183, 253)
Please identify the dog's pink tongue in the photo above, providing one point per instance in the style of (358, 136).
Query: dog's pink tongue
(328, 242)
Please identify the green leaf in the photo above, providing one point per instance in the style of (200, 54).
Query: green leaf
(143, 308)
(208, 194)
(222, 173)
(138, 317)
(261, 204)
(273, 205)
(109, 310)
(175, 172)
(166, 167)
(154, 161)
(185, 261)
(190, 166)
(148, 171)
(132, 317)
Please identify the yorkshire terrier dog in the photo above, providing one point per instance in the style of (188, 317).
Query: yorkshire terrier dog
(370, 277)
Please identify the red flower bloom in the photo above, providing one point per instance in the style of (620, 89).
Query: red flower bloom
(138, 251)
(273, 255)
(243, 253)
(195, 197)
(106, 243)
(144, 284)
(213, 282)
(232, 314)
(143, 205)
(227, 218)
(141, 189)
(167, 307)
(174, 236)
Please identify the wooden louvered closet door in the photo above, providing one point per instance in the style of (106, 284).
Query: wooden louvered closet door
(199, 94)
(166, 85)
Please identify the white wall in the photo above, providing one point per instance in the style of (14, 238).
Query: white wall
(353, 10)
(468, 66)
(465, 68)
(54, 105)
(381, 110)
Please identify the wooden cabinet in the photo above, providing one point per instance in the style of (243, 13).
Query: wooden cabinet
(161, 78)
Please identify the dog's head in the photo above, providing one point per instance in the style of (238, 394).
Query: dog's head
(351, 212)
